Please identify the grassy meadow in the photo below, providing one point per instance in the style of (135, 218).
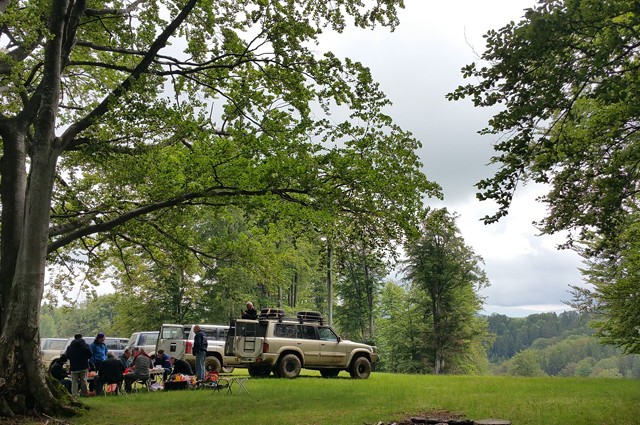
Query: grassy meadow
(311, 399)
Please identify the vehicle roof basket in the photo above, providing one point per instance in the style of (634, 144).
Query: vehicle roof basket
(271, 313)
(310, 316)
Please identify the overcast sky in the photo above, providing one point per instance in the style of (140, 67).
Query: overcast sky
(416, 66)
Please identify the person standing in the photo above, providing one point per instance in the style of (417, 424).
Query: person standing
(98, 355)
(98, 351)
(250, 313)
(199, 351)
(78, 353)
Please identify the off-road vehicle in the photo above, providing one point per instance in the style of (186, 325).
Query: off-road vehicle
(284, 346)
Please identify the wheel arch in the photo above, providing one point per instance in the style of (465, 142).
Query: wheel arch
(290, 351)
(356, 356)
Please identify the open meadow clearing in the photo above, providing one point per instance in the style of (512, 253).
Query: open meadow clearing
(384, 397)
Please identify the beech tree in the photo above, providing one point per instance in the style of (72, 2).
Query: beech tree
(118, 113)
(566, 79)
(445, 275)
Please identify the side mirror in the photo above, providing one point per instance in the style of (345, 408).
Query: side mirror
(339, 339)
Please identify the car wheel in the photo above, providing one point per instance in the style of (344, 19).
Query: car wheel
(289, 366)
(212, 364)
(361, 368)
(329, 373)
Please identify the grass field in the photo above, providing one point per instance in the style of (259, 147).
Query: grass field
(310, 399)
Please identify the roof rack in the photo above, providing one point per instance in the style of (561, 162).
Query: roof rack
(310, 316)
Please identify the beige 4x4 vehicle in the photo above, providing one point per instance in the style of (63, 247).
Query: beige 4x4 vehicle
(285, 346)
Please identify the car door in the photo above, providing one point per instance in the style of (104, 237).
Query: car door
(247, 339)
(171, 340)
(307, 339)
(331, 354)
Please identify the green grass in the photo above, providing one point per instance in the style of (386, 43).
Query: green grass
(311, 400)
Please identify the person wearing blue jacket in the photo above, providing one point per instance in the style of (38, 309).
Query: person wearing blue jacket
(98, 355)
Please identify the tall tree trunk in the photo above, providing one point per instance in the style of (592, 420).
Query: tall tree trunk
(26, 213)
(437, 349)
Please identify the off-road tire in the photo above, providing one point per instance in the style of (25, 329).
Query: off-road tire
(329, 373)
(212, 364)
(361, 368)
(289, 366)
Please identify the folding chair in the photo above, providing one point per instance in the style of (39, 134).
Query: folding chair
(108, 388)
(145, 382)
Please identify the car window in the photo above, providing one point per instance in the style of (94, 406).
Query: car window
(211, 333)
(132, 340)
(172, 332)
(326, 334)
(111, 343)
(148, 339)
(307, 332)
(285, 330)
(57, 344)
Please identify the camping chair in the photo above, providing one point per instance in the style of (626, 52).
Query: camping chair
(215, 382)
(142, 382)
(112, 388)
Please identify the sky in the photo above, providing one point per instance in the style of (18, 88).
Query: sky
(416, 66)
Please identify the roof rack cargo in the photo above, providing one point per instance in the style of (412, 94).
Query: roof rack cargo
(271, 313)
(310, 316)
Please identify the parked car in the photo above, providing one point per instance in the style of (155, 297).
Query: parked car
(177, 341)
(285, 346)
(50, 348)
(147, 340)
(115, 345)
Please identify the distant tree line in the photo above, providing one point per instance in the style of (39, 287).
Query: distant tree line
(513, 335)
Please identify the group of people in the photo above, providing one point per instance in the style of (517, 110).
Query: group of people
(128, 368)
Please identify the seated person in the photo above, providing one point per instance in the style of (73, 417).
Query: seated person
(111, 371)
(58, 371)
(126, 358)
(180, 367)
(141, 366)
(162, 359)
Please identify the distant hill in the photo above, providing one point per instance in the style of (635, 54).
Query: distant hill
(556, 345)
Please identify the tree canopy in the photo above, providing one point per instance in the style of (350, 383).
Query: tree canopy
(122, 118)
(566, 81)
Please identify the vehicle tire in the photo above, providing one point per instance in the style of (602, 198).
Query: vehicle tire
(361, 368)
(259, 371)
(212, 364)
(289, 366)
(329, 373)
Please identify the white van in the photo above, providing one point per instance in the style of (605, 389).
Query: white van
(177, 341)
